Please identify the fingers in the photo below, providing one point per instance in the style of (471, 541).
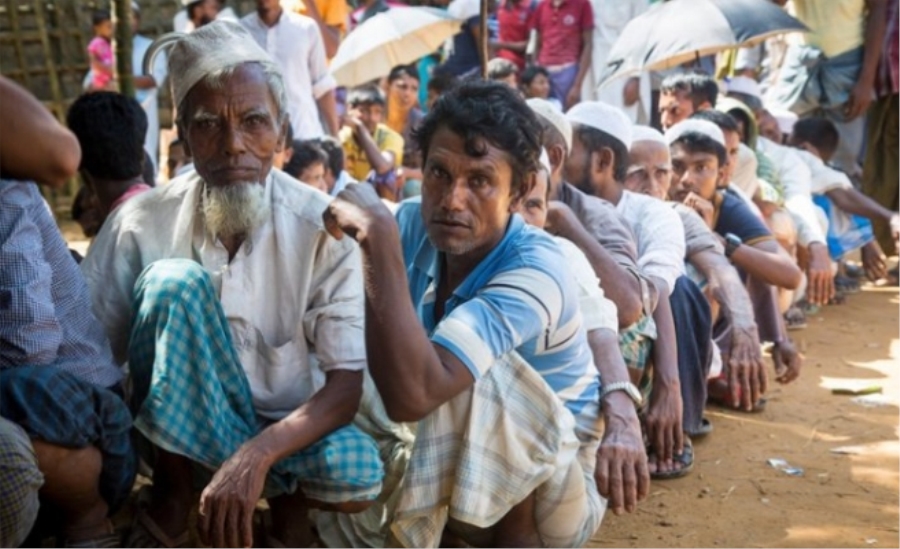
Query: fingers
(678, 439)
(601, 473)
(617, 497)
(734, 382)
(245, 527)
(204, 522)
(753, 382)
(331, 224)
(629, 486)
(643, 477)
(762, 376)
(668, 445)
(746, 391)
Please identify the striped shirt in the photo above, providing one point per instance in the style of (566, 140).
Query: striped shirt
(45, 308)
(518, 298)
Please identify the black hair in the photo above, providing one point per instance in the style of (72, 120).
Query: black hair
(335, 152)
(306, 154)
(529, 74)
(819, 132)
(366, 95)
(594, 140)
(403, 70)
(499, 68)
(724, 121)
(696, 142)
(100, 16)
(699, 87)
(441, 82)
(492, 112)
(110, 128)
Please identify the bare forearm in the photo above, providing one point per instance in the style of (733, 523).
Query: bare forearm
(876, 23)
(331, 37)
(144, 82)
(512, 46)
(665, 351)
(855, 202)
(728, 288)
(584, 63)
(332, 407)
(377, 161)
(328, 109)
(773, 268)
(33, 145)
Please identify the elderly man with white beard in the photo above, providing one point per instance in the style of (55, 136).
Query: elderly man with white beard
(240, 320)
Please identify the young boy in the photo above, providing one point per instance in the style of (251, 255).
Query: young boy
(834, 192)
(307, 164)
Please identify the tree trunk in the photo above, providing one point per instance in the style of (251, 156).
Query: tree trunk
(121, 17)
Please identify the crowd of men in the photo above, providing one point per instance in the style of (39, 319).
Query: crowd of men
(484, 319)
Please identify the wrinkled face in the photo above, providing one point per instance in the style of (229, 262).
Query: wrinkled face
(768, 127)
(650, 171)
(534, 207)
(466, 200)
(314, 176)
(233, 132)
(732, 146)
(405, 90)
(693, 172)
(539, 87)
(370, 114)
(673, 108)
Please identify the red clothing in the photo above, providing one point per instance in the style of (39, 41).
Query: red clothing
(561, 29)
(132, 191)
(514, 21)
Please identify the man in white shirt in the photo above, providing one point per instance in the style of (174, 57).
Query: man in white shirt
(241, 321)
(597, 165)
(296, 45)
(197, 13)
(147, 86)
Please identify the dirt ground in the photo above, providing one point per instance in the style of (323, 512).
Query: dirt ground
(733, 498)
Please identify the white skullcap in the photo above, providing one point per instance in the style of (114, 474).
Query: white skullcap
(603, 117)
(745, 85)
(213, 47)
(545, 160)
(786, 119)
(551, 113)
(646, 133)
(693, 125)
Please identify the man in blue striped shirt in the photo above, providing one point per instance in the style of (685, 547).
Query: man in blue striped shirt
(484, 286)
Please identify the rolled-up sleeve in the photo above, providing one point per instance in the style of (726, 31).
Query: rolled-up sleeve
(30, 333)
(322, 81)
(335, 319)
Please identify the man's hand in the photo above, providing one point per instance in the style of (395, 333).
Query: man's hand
(821, 284)
(228, 501)
(353, 121)
(573, 97)
(621, 472)
(788, 361)
(663, 425)
(702, 206)
(747, 376)
(632, 92)
(561, 220)
(353, 212)
(874, 261)
(860, 98)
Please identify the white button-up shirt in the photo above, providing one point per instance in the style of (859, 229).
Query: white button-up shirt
(659, 234)
(292, 295)
(296, 45)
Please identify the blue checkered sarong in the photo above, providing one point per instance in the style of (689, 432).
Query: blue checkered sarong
(192, 398)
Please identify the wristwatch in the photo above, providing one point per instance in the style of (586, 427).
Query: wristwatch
(626, 387)
(732, 241)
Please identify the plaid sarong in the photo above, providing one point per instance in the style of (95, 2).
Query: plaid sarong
(55, 406)
(192, 397)
(635, 343)
(483, 452)
(20, 481)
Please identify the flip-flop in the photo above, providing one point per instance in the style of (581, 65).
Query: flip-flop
(718, 387)
(795, 318)
(705, 428)
(145, 532)
(685, 458)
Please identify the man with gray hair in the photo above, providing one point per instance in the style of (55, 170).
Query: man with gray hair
(241, 321)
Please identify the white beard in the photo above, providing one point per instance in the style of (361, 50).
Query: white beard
(234, 210)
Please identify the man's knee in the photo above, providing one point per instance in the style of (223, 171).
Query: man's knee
(171, 277)
(21, 481)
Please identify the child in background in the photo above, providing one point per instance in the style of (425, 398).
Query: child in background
(100, 52)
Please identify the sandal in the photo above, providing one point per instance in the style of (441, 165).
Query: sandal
(718, 395)
(846, 284)
(146, 533)
(706, 427)
(685, 459)
(795, 318)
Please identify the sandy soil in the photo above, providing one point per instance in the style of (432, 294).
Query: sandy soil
(734, 499)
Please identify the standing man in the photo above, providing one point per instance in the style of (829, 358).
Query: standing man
(631, 94)
(147, 85)
(332, 17)
(296, 45)
(564, 44)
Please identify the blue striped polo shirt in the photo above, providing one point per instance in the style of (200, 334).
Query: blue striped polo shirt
(520, 297)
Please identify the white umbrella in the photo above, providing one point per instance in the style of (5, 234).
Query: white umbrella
(397, 36)
(678, 31)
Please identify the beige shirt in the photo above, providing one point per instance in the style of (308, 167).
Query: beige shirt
(293, 295)
(836, 26)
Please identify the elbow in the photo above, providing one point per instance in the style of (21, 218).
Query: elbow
(792, 278)
(630, 313)
(64, 161)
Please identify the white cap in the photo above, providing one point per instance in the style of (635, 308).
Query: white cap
(694, 125)
(551, 113)
(603, 117)
(786, 119)
(545, 160)
(646, 133)
(213, 47)
(745, 85)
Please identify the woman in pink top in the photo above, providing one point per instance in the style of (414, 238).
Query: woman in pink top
(100, 52)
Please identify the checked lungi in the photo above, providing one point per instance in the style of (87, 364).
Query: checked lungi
(192, 398)
(20, 480)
